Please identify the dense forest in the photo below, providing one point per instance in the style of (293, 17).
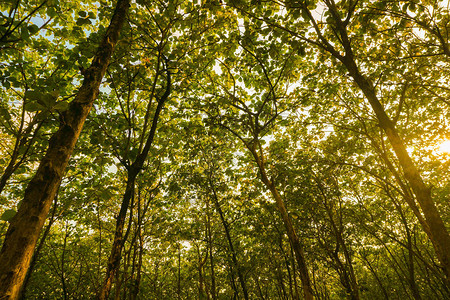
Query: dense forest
(224, 149)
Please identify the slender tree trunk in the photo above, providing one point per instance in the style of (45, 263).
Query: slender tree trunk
(294, 274)
(438, 234)
(410, 260)
(21, 142)
(288, 267)
(375, 275)
(210, 246)
(258, 286)
(347, 273)
(116, 250)
(23, 232)
(230, 242)
(201, 278)
(282, 290)
(63, 260)
(133, 171)
(308, 293)
(179, 273)
(140, 249)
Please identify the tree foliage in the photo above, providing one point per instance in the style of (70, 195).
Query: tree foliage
(231, 150)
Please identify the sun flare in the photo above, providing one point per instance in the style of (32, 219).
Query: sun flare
(444, 147)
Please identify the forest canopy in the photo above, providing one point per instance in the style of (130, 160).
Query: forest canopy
(224, 149)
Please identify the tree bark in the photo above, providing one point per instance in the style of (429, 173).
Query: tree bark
(133, 171)
(38, 249)
(437, 233)
(25, 227)
(308, 293)
(230, 242)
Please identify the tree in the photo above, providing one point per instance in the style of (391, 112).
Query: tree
(25, 227)
(234, 149)
(333, 37)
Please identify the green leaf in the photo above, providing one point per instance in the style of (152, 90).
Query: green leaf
(82, 21)
(48, 100)
(34, 106)
(106, 194)
(33, 95)
(82, 14)
(33, 29)
(24, 34)
(61, 106)
(51, 12)
(8, 215)
(4, 113)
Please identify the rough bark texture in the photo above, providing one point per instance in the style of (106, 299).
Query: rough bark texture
(25, 227)
(38, 249)
(308, 293)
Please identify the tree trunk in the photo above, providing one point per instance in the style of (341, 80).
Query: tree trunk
(38, 249)
(140, 249)
(437, 233)
(25, 227)
(210, 247)
(308, 293)
(179, 273)
(230, 243)
(133, 171)
(116, 250)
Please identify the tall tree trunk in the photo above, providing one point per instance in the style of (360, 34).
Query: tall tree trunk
(230, 242)
(116, 250)
(201, 278)
(287, 264)
(140, 250)
(347, 274)
(39, 248)
(308, 293)
(437, 232)
(294, 273)
(63, 259)
(25, 227)
(210, 247)
(133, 171)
